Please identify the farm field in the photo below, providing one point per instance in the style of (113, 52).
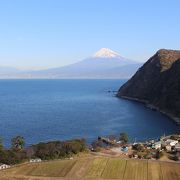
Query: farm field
(97, 168)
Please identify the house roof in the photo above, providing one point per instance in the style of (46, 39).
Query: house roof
(171, 140)
(157, 143)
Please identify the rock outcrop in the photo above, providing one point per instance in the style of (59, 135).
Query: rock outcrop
(157, 84)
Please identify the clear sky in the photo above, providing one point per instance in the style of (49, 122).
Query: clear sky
(50, 33)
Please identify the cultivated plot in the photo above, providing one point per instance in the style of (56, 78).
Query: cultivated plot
(154, 171)
(135, 170)
(97, 167)
(80, 168)
(53, 169)
(170, 171)
(114, 169)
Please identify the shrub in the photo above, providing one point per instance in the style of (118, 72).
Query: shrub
(59, 149)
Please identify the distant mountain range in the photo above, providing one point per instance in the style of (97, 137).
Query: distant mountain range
(104, 64)
(157, 84)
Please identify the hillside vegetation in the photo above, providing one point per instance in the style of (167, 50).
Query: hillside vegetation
(157, 84)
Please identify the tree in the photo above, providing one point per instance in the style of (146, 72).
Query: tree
(159, 154)
(138, 147)
(124, 137)
(18, 143)
(97, 145)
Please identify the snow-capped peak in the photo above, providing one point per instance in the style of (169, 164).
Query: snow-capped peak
(106, 53)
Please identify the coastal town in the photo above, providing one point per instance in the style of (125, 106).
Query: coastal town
(166, 148)
(108, 157)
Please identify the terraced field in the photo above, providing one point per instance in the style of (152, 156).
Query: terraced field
(98, 168)
(115, 169)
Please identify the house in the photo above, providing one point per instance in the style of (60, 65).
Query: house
(171, 142)
(135, 156)
(151, 141)
(168, 148)
(4, 166)
(124, 150)
(119, 142)
(177, 147)
(112, 138)
(157, 145)
(35, 160)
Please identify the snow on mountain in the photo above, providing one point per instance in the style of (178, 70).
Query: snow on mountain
(106, 53)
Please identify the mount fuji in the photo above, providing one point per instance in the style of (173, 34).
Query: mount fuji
(104, 64)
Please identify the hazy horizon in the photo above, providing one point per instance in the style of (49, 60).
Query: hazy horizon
(78, 61)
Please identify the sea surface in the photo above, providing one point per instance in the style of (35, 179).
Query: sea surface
(44, 110)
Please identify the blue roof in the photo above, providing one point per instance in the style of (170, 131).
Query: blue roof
(124, 149)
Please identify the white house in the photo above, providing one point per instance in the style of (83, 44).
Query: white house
(171, 142)
(35, 160)
(4, 166)
(157, 145)
(168, 148)
(119, 142)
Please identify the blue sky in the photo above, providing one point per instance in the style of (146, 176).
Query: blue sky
(49, 33)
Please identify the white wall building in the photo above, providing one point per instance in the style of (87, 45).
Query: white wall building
(157, 145)
(4, 166)
(35, 160)
(171, 142)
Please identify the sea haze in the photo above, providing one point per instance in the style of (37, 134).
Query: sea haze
(44, 110)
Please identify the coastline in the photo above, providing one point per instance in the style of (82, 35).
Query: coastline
(151, 106)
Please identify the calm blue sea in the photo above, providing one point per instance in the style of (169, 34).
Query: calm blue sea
(43, 110)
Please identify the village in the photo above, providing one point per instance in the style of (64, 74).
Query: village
(166, 148)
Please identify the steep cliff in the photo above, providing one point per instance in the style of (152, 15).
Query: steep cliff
(157, 84)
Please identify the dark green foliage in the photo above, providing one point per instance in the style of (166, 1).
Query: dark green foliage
(97, 145)
(124, 137)
(138, 147)
(45, 151)
(14, 155)
(58, 149)
(17, 143)
(159, 154)
(11, 156)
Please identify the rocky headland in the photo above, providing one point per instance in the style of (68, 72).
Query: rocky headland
(157, 84)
